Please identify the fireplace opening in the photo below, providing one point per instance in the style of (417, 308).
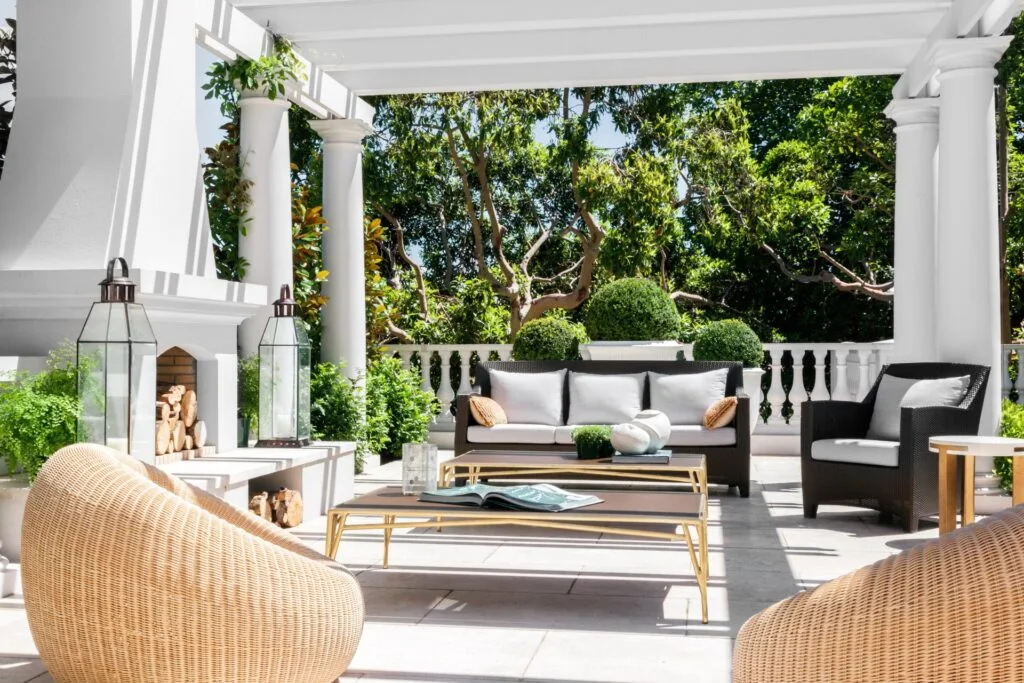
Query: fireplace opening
(180, 432)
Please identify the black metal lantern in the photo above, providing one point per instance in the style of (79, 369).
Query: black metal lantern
(284, 378)
(117, 370)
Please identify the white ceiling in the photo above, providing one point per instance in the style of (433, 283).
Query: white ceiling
(401, 46)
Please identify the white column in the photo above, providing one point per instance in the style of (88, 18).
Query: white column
(917, 143)
(267, 246)
(344, 314)
(967, 289)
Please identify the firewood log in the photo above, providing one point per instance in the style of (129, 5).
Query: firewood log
(188, 407)
(163, 436)
(260, 506)
(178, 434)
(188, 442)
(171, 398)
(163, 410)
(287, 505)
(199, 433)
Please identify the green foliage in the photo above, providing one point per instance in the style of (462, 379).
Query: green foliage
(308, 227)
(1012, 425)
(729, 340)
(593, 442)
(397, 410)
(39, 414)
(249, 389)
(335, 410)
(632, 309)
(8, 76)
(549, 339)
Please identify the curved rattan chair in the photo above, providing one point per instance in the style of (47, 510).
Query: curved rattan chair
(130, 575)
(946, 610)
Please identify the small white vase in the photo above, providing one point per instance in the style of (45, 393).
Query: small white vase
(657, 426)
(630, 439)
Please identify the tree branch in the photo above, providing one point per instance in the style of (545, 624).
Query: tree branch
(399, 237)
(878, 292)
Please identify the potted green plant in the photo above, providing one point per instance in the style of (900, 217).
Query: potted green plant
(248, 398)
(593, 442)
(733, 340)
(632, 318)
(549, 339)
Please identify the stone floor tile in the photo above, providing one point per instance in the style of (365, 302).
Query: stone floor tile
(469, 578)
(725, 617)
(19, 669)
(573, 657)
(400, 604)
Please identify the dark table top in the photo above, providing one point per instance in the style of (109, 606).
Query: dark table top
(564, 459)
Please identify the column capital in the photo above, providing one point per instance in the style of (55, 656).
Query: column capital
(249, 98)
(957, 54)
(343, 131)
(914, 111)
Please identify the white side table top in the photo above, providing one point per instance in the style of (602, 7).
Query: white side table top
(977, 445)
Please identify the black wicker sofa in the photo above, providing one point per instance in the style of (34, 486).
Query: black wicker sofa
(727, 451)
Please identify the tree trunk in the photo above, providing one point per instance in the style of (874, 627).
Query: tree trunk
(1002, 156)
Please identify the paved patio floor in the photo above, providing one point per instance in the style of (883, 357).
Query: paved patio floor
(504, 604)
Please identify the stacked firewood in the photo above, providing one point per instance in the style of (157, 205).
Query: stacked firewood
(177, 428)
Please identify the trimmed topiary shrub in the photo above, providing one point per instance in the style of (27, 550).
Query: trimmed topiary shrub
(730, 340)
(549, 339)
(593, 442)
(632, 309)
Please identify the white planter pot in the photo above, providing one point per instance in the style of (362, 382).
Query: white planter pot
(13, 495)
(631, 350)
(752, 387)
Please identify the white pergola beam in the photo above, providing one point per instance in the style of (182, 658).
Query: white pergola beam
(229, 33)
(965, 18)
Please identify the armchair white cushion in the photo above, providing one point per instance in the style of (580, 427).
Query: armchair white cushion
(857, 451)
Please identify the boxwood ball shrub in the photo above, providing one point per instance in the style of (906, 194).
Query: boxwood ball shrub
(632, 309)
(549, 339)
(593, 442)
(729, 340)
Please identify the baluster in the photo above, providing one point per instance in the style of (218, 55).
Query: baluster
(425, 357)
(840, 384)
(776, 393)
(405, 354)
(1020, 374)
(863, 371)
(445, 394)
(820, 390)
(798, 392)
(465, 385)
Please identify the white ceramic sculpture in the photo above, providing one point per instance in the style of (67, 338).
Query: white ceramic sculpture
(630, 439)
(657, 426)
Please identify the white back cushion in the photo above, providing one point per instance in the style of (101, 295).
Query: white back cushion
(895, 393)
(529, 397)
(604, 399)
(685, 398)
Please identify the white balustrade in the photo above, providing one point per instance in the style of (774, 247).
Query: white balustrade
(842, 372)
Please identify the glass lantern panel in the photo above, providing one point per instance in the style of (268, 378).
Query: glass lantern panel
(118, 388)
(303, 426)
(143, 391)
(95, 327)
(92, 365)
(139, 328)
(279, 369)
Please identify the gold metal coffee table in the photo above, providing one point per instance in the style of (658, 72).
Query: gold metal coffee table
(685, 513)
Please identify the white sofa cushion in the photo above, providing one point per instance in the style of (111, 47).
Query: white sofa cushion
(685, 398)
(895, 393)
(698, 435)
(605, 399)
(857, 451)
(563, 434)
(529, 397)
(512, 433)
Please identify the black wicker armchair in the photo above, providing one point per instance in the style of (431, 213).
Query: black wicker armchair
(908, 490)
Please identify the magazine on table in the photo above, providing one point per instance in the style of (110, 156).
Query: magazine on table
(537, 497)
(662, 457)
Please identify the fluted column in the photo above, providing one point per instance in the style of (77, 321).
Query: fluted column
(917, 143)
(968, 323)
(344, 314)
(267, 244)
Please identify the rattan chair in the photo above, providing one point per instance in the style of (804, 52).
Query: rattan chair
(132, 576)
(945, 611)
(910, 489)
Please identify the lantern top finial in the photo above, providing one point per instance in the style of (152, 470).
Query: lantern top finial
(119, 289)
(284, 307)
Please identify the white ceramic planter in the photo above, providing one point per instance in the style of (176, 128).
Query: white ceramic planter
(13, 495)
(752, 387)
(631, 350)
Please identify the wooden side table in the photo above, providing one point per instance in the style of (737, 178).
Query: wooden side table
(949, 449)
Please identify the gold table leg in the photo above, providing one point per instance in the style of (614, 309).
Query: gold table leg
(967, 511)
(1018, 480)
(388, 520)
(947, 491)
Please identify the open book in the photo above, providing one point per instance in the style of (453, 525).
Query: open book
(538, 497)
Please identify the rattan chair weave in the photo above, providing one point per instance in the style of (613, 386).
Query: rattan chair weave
(947, 611)
(130, 575)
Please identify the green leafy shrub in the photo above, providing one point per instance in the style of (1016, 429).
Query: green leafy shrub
(397, 410)
(632, 309)
(729, 340)
(248, 391)
(1012, 425)
(39, 414)
(593, 442)
(335, 409)
(549, 339)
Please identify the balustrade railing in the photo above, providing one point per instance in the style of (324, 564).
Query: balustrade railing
(794, 372)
